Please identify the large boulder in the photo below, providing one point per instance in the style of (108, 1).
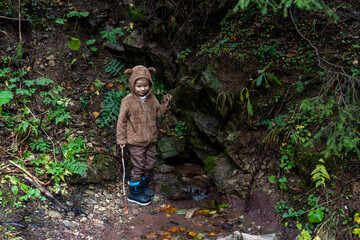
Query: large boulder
(166, 148)
(226, 178)
(103, 169)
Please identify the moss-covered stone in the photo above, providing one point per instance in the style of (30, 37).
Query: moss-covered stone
(210, 163)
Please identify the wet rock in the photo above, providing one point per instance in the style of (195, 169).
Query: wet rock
(95, 20)
(225, 182)
(163, 168)
(134, 46)
(210, 81)
(69, 224)
(233, 236)
(166, 148)
(261, 237)
(207, 125)
(114, 48)
(171, 186)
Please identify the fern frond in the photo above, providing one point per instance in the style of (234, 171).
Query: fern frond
(113, 67)
(110, 107)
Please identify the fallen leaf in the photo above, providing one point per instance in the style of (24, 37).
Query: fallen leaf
(162, 130)
(96, 114)
(152, 234)
(190, 213)
(193, 234)
(12, 135)
(181, 212)
(168, 215)
(121, 87)
(92, 88)
(169, 209)
(174, 229)
(68, 84)
(212, 234)
(110, 85)
(97, 92)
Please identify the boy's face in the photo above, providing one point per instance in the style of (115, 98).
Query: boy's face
(142, 87)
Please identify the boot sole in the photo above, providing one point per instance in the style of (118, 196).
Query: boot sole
(142, 204)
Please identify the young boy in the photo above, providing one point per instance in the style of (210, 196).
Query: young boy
(136, 128)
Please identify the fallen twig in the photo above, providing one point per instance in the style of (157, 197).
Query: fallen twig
(14, 19)
(35, 179)
(46, 192)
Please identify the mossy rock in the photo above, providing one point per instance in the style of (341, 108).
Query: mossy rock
(102, 169)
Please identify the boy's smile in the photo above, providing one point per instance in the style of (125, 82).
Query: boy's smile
(142, 87)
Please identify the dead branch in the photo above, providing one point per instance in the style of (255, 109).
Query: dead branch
(20, 36)
(35, 179)
(13, 19)
(46, 192)
(320, 59)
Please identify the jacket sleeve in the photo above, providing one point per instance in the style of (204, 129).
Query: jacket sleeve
(160, 109)
(121, 127)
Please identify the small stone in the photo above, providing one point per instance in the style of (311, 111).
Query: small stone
(52, 63)
(98, 223)
(53, 214)
(83, 219)
(69, 224)
(91, 187)
(135, 211)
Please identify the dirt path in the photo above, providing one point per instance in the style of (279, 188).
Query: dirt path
(99, 213)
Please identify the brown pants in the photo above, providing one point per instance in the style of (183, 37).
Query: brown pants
(143, 160)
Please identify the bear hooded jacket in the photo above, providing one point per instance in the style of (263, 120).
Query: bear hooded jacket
(137, 119)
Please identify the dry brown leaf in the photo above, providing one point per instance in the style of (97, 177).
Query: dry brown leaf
(96, 114)
(110, 85)
(190, 213)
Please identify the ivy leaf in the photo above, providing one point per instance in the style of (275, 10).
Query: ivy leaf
(272, 179)
(15, 190)
(316, 216)
(60, 21)
(74, 44)
(5, 97)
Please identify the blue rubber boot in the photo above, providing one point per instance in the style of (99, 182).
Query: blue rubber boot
(136, 194)
(144, 184)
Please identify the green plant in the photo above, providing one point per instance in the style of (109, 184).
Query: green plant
(40, 145)
(60, 113)
(264, 76)
(77, 14)
(210, 163)
(91, 42)
(110, 107)
(223, 98)
(114, 67)
(74, 44)
(284, 5)
(111, 35)
(249, 106)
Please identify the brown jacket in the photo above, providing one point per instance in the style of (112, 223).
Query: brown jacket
(137, 119)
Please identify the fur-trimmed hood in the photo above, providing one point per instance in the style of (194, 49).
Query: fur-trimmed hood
(138, 72)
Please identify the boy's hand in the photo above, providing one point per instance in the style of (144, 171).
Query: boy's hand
(166, 100)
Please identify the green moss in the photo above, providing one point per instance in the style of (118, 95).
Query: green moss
(166, 190)
(210, 163)
(136, 15)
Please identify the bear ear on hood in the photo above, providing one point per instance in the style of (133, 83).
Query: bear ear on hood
(152, 70)
(128, 72)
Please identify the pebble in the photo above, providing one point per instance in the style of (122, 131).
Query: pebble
(53, 214)
(69, 224)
